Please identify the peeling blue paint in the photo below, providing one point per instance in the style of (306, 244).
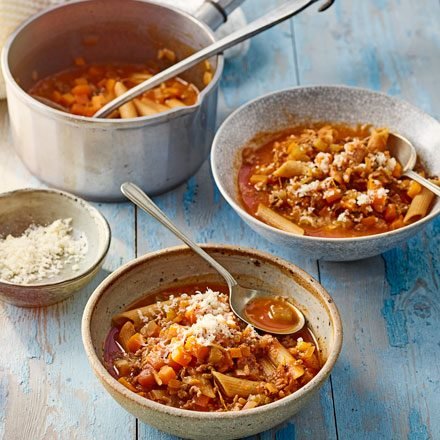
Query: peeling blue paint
(286, 433)
(396, 324)
(418, 430)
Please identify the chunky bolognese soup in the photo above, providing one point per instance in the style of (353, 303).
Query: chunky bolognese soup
(330, 180)
(188, 350)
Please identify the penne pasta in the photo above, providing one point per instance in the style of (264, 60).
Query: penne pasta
(292, 168)
(126, 332)
(143, 108)
(233, 386)
(280, 356)
(174, 102)
(278, 221)
(155, 105)
(136, 315)
(127, 110)
(268, 367)
(419, 206)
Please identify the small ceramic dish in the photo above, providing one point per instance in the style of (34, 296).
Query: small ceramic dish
(22, 208)
(172, 267)
(286, 108)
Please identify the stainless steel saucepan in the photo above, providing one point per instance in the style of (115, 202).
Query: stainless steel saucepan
(93, 157)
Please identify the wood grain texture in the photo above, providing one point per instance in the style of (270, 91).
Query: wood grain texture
(386, 383)
(47, 390)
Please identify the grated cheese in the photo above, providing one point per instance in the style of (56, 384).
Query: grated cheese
(41, 252)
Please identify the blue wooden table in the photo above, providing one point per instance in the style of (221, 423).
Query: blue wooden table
(386, 384)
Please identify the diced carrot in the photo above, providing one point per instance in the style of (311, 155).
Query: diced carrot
(79, 61)
(146, 378)
(202, 400)
(81, 80)
(369, 221)
(235, 352)
(67, 99)
(110, 85)
(156, 362)
(127, 384)
(397, 172)
(201, 353)
(245, 350)
(78, 109)
(390, 213)
(379, 204)
(166, 373)
(174, 383)
(190, 344)
(414, 189)
(151, 329)
(180, 356)
(398, 223)
(82, 89)
(334, 196)
(135, 342)
(56, 96)
(174, 365)
(191, 316)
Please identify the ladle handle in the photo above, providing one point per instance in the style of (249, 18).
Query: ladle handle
(140, 199)
(424, 182)
(269, 20)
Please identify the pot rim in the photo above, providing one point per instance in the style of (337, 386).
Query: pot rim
(139, 401)
(249, 218)
(106, 123)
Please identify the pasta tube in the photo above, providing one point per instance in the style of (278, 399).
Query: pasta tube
(233, 386)
(174, 102)
(143, 108)
(419, 206)
(278, 221)
(291, 168)
(136, 315)
(279, 355)
(127, 110)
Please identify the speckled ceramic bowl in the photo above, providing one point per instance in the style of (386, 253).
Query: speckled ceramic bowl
(280, 110)
(159, 270)
(19, 209)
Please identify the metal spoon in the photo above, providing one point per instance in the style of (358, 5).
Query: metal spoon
(269, 20)
(51, 103)
(239, 296)
(404, 152)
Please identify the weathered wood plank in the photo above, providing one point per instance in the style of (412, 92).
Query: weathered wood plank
(199, 210)
(385, 382)
(47, 389)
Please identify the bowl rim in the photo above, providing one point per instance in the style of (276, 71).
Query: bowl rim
(108, 380)
(85, 206)
(259, 223)
(105, 122)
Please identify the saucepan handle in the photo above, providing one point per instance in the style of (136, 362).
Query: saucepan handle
(215, 12)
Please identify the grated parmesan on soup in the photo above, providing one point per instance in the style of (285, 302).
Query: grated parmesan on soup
(41, 252)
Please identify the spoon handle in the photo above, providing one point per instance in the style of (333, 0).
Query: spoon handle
(274, 17)
(140, 199)
(425, 182)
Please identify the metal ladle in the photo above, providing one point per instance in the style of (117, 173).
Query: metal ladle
(269, 20)
(239, 296)
(405, 153)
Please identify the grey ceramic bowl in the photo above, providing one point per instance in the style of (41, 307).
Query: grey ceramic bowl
(19, 209)
(285, 108)
(157, 271)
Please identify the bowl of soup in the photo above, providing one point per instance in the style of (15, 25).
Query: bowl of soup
(162, 339)
(311, 168)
